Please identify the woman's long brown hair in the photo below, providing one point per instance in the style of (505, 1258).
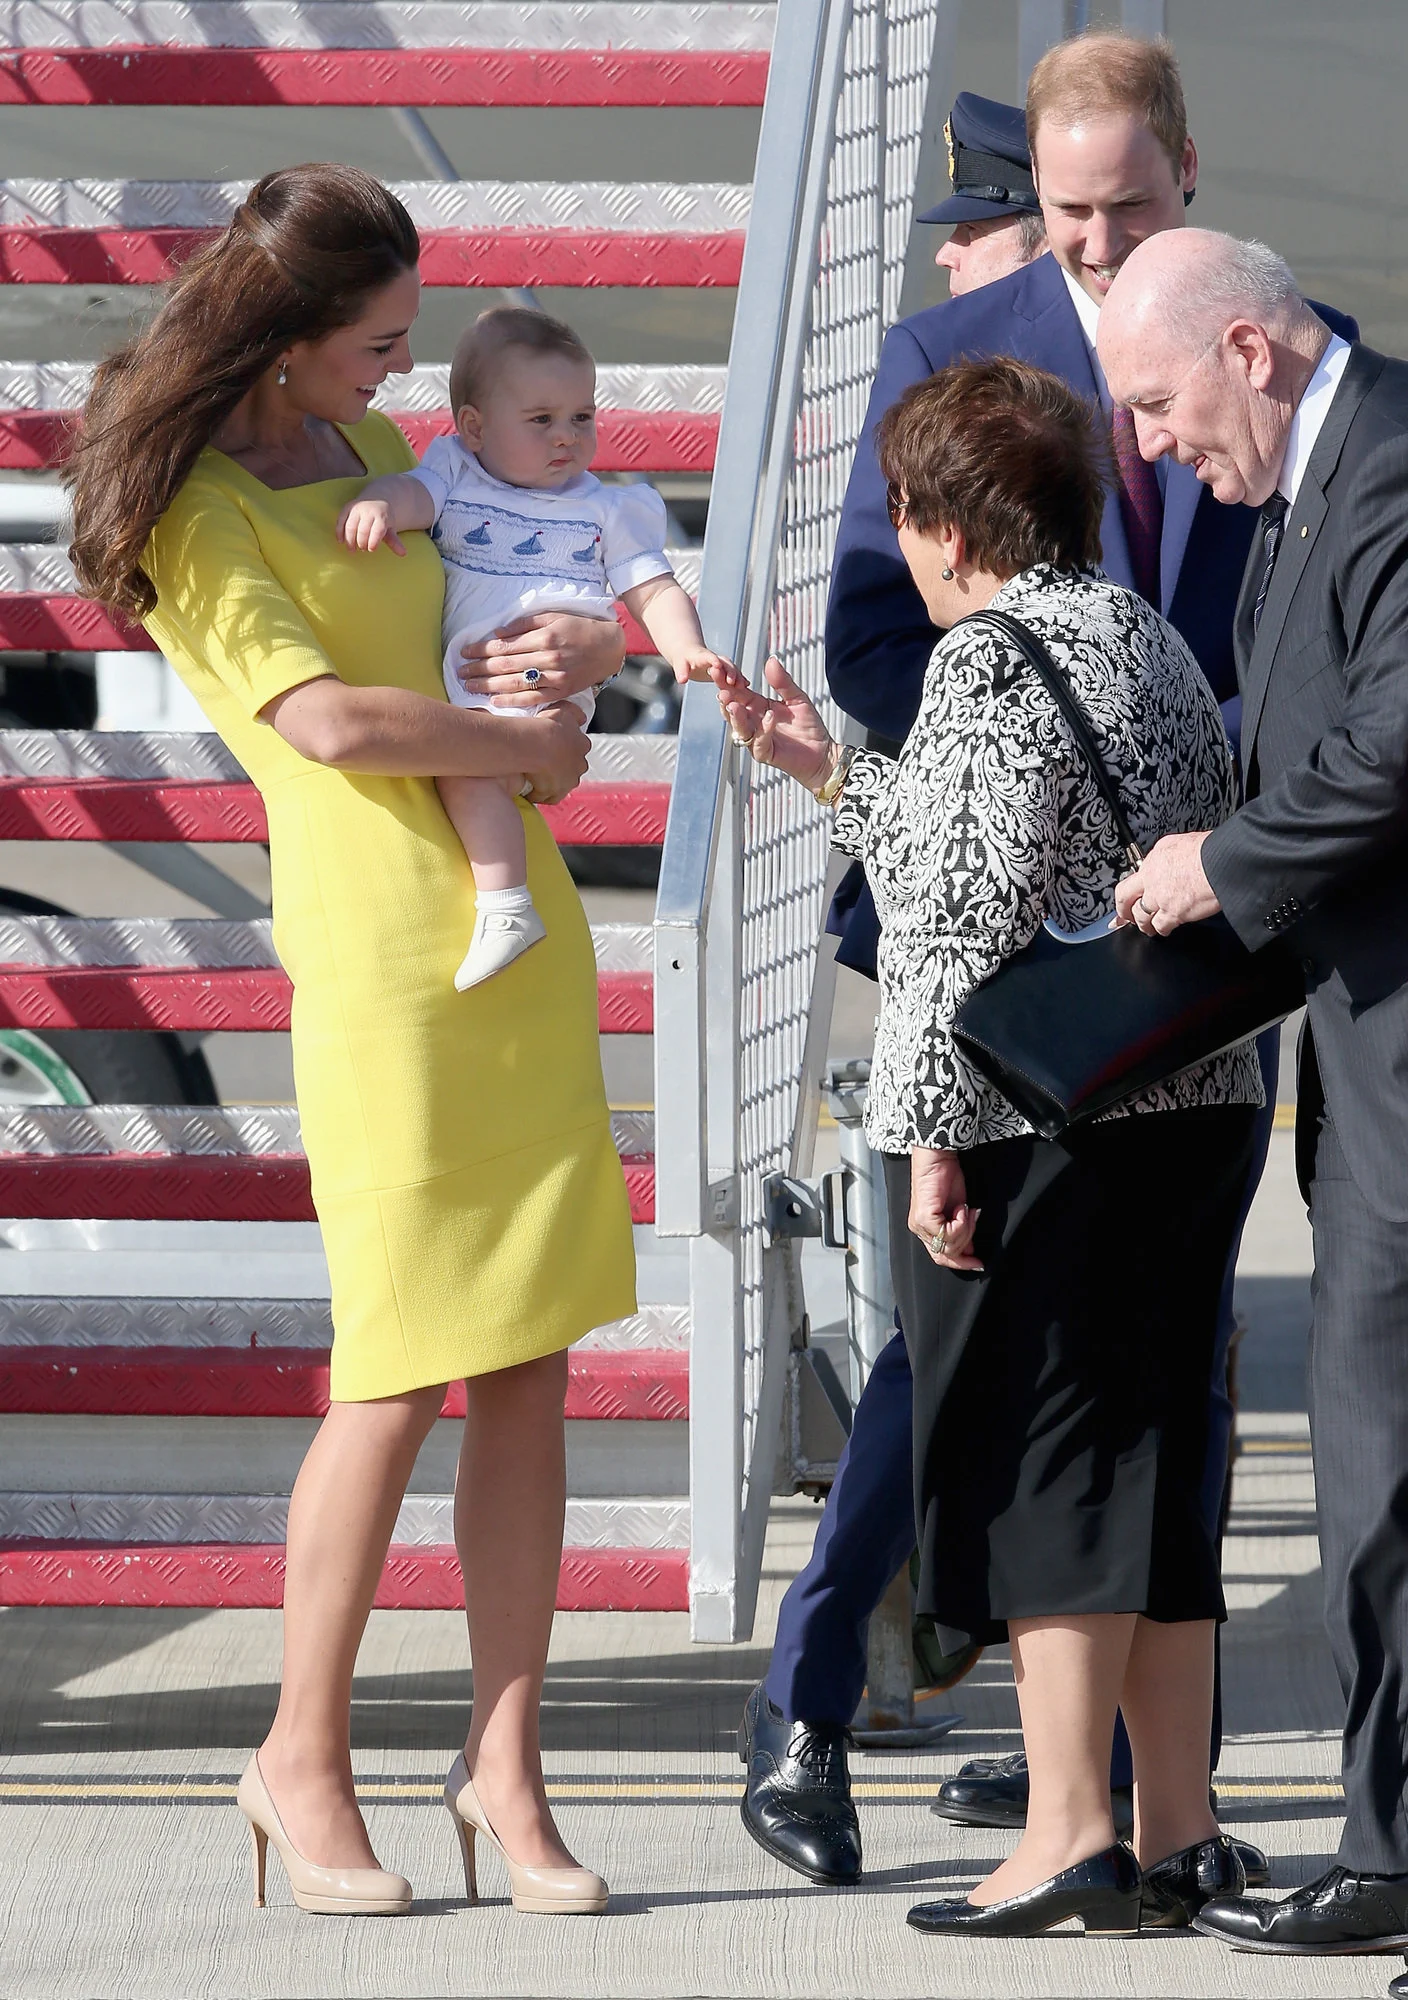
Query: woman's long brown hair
(306, 249)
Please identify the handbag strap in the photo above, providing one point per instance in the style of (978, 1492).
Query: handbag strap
(1059, 688)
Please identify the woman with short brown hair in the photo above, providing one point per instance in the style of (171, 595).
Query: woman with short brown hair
(1058, 1297)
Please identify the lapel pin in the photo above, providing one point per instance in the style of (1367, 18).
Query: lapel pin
(1303, 533)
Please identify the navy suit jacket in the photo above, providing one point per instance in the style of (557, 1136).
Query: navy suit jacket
(878, 635)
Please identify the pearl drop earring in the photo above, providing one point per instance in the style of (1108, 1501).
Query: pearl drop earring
(947, 575)
(283, 375)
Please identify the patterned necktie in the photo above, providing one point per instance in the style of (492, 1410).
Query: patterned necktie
(1141, 506)
(1273, 527)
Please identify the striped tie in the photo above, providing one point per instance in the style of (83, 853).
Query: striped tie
(1273, 526)
(1141, 505)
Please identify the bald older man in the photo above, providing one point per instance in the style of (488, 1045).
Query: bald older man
(1226, 368)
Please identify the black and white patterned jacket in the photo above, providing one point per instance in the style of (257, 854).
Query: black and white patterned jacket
(990, 823)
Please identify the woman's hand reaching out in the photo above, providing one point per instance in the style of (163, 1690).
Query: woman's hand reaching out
(939, 1214)
(785, 731)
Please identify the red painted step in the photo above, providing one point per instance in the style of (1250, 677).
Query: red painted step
(123, 809)
(550, 77)
(641, 1385)
(243, 999)
(458, 257)
(47, 621)
(251, 1576)
(628, 440)
(189, 1187)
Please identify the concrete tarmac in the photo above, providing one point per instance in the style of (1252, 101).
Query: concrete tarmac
(127, 1869)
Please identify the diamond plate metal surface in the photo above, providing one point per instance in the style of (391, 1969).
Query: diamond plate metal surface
(44, 568)
(201, 758)
(174, 757)
(202, 943)
(424, 1521)
(64, 1129)
(382, 24)
(699, 391)
(651, 207)
(211, 944)
(243, 1324)
(55, 1130)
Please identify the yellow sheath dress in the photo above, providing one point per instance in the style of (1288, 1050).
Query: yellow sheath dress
(472, 1203)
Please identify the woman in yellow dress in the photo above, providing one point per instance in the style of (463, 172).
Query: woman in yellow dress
(471, 1200)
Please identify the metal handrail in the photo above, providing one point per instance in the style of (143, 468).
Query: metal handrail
(819, 266)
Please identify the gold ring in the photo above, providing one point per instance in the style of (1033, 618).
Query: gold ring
(938, 1242)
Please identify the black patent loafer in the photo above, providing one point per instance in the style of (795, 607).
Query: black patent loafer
(1337, 1914)
(797, 1800)
(1255, 1866)
(1104, 1892)
(1176, 1888)
(993, 1792)
(1398, 1988)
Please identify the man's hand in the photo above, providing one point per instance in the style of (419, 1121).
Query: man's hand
(557, 747)
(939, 1214)
(570, 653)
(1168, 889)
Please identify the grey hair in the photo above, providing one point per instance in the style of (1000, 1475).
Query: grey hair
(1031, 234)
(1237, 280)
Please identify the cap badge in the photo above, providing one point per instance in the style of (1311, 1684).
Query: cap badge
(952, 155)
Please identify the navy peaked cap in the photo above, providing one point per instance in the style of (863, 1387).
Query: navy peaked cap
(988, 162)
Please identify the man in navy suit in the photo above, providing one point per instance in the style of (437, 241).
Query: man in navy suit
(1113, 165)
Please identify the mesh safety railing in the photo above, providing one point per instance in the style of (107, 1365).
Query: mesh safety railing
(743, 987)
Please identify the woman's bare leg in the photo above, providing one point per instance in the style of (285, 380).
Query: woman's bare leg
(1167, 1703)
(1069, 1672)
(510, 1499)
(340, 1520)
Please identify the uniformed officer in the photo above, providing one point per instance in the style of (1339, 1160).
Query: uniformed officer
(996, 217)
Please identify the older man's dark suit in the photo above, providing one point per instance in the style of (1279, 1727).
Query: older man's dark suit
(1319, 854)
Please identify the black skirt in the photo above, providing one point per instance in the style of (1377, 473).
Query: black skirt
(1061, 1397)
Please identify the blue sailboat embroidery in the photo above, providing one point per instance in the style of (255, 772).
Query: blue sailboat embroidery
(588, 554)
(481, 537)
(532, 547)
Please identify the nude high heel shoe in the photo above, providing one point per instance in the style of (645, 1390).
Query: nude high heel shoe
(543, 1891)
(366, 1892)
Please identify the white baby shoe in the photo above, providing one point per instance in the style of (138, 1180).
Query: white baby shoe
(500, 936)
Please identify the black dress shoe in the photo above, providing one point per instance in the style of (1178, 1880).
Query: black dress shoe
(797, 1800)
(993, 1792)
(1398, 1988)
(1341, 1912)
(1256, 1869)
(1103, 1892)
(1176, 1888)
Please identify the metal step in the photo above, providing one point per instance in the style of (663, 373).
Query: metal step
(722, 25)
(239, 1327)
(472, 233)
(203, 975)
(649, 419)
(238, 1163)
(44, 797)
(249, 1454)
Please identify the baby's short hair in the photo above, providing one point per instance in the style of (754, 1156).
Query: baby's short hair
(481, 344)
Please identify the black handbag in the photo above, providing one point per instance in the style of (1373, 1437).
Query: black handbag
(1067, 1029)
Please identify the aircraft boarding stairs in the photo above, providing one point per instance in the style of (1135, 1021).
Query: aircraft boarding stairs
(164, 1317)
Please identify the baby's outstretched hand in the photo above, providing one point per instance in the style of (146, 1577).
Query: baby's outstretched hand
(699, 664)
(366, 524)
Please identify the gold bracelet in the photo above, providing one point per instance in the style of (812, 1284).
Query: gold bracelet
(828, 790)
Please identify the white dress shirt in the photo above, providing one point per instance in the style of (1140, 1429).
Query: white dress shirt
(1309, 419)
(1088, 313)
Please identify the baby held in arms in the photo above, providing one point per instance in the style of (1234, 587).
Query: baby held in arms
(522, 526)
